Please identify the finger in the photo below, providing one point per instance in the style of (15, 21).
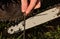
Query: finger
(31, 6)
(38, 5)
(24, 5)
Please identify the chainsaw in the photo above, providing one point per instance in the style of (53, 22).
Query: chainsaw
(16, 21)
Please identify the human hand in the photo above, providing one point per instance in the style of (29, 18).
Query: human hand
(27, 7)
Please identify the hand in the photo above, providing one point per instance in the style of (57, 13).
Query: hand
(34, 4)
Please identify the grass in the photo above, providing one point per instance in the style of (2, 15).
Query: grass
(49, 30)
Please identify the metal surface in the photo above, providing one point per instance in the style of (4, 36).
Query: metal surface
(37, 20)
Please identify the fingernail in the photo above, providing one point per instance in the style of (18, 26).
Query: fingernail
(23, 10)
(27, 12)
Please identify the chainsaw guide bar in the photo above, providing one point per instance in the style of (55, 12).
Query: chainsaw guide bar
(36, 20)
(11, 14)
